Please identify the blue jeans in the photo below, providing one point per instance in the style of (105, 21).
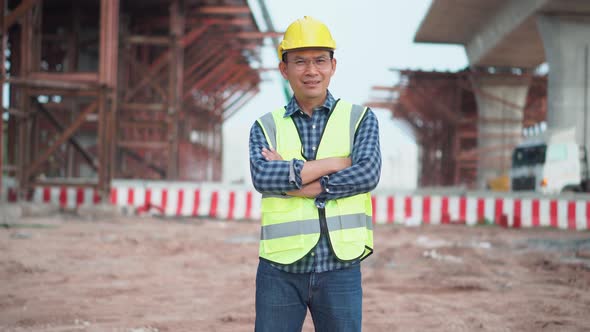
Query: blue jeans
(334, 299)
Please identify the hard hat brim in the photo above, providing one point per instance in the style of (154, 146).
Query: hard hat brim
(319, 48)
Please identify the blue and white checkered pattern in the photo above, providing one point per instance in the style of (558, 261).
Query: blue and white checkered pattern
(272, 177)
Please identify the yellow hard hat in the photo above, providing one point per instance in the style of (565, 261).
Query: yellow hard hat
(304, 33)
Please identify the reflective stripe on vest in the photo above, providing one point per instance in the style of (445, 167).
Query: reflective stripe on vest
(311, 226)
(290, 225)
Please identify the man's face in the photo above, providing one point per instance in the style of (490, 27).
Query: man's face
(309, 73)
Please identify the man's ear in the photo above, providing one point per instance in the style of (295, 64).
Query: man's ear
(333, 65)
(283, 69)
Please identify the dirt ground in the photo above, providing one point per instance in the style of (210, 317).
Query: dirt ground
(62, 273)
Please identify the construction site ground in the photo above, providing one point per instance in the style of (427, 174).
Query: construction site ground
(147, 274)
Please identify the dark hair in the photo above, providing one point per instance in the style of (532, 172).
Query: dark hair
(285, 56)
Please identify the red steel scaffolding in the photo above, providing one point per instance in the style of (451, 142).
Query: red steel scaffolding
(104, 89)
(441, 109)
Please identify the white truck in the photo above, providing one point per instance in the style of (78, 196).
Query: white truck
(551, 162)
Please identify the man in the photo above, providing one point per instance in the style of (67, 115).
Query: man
(314, 161)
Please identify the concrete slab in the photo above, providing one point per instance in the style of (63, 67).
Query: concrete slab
(99, 212)
(10, 213)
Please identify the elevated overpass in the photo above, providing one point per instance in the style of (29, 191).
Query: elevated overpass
(519, 35)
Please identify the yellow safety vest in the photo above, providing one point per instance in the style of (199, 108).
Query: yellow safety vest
(291, 225)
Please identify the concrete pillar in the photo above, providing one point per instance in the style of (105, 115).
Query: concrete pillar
(500, 104)
(567, 47)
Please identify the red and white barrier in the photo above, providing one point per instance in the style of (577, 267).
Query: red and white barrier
(66, 197)
(186, 201)
(564, 213)
(183, 199)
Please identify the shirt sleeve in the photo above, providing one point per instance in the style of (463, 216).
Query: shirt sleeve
(275, 176)
(363, 176)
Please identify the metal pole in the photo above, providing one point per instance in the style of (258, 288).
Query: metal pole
(177, 13)
(108, 57)
(2, 76)
(585, 143)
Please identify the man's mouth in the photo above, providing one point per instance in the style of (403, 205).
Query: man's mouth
(311, 83)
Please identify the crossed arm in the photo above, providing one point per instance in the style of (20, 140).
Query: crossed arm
(323, 179)
(311, 172)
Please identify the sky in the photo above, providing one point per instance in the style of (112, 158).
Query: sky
(372, 37)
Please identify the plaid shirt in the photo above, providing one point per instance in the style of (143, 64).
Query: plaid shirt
(272, 177)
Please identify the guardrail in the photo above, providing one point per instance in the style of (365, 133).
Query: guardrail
(215, 200)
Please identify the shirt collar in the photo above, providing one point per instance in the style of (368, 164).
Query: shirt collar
(292, 107)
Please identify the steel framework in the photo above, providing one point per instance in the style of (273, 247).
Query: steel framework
(122, 88)
(441, 108)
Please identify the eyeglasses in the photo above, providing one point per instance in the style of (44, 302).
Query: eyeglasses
(320, 63)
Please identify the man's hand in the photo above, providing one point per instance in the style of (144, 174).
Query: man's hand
(271, 154)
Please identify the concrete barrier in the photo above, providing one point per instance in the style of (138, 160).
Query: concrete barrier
(10, 213)
(98, 211)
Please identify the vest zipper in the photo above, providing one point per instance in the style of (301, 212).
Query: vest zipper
(324, 231)
(323, 223)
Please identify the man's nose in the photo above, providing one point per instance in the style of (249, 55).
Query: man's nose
(311, 68)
